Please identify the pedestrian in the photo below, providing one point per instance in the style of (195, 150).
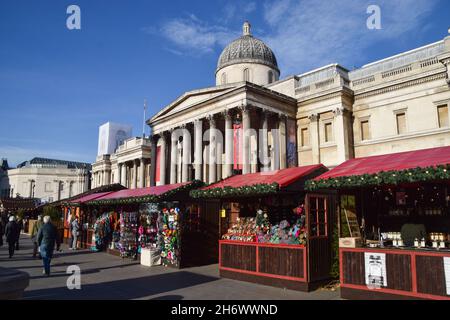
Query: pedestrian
(3, 222)
(12, 232)
(20, 226)
(75, 233)
(46, 240)
(34, 232)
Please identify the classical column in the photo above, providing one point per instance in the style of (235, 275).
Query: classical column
(283, 142)
(135, 174)
(123, 175)
(246, 140)
(342, 134)
(119, 173)
(173, 158)
(263, 142)
(315, 140)
(198, 157)
(31, 189)
(142, 173)
(212, 149)
(153, 149)
(186, 154)
(162, 164)
(228, 144)
(58, 189)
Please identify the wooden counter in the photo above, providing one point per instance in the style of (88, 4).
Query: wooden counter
(410, 274)
(279, 265)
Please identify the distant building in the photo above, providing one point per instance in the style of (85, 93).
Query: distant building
(128, 165)
(111, 136)
(48, 179)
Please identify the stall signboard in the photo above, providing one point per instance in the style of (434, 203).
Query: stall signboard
(375, 269)
(447, 273)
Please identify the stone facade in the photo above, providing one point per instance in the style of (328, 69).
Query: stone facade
(396, 104)
(129, 165)
(49, 180)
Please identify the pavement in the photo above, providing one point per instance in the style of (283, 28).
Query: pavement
(104, 276)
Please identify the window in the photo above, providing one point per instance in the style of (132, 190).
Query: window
(401, 123)
(224, 78)
(304, 133)
(270, 76)
(318, 210)
(328, 132)
(48, 187)
(246, 74)
(443, 116)
(365, 134)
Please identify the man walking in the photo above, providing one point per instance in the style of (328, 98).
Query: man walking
(36, 227)
(46, 238)
(12, 233)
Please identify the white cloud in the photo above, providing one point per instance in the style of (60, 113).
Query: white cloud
(195, 35)
(308, 34)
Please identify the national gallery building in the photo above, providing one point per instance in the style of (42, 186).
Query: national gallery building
(253, 121)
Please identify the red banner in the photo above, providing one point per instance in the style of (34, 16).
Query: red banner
(158, 164)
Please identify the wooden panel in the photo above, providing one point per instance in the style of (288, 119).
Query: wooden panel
(320, 258)
(238, 257)
(353, 267)
(281, 261)
(434, 281)
(398, 272)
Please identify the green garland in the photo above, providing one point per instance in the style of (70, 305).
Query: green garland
(228, 192)
(441, 172)
(149, 198)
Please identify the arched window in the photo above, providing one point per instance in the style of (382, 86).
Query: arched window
(270, 76)
(246, 74)
(224, 78)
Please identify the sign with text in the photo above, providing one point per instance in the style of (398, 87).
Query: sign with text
(375, 267)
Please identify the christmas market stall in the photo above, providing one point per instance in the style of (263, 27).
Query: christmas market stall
(394, 224)
(152, 223)
(272, 232)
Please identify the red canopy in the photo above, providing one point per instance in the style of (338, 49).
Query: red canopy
(89, 197)
(390, 162)
(283, 177)
(142, 192)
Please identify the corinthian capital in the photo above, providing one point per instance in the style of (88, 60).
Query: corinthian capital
(314, 117)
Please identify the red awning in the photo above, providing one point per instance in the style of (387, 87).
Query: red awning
(142, 192)
(283, 177)
(89, 197)
(390, 162)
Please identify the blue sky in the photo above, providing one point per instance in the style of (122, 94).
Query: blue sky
(58, 85)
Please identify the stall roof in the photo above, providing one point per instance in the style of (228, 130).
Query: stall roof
(88, 198)
(26, 204)
(258, 183)
(143, 194)
(411, 166)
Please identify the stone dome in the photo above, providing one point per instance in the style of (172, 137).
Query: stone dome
(247, 49)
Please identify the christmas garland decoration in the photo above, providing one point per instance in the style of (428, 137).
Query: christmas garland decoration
(227, 192)
(148, 198)
(441, 172)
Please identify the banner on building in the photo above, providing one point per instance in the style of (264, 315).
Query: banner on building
(291, 143)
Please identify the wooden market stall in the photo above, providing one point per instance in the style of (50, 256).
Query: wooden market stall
(272, 232)
(163, 218)
(394, 224)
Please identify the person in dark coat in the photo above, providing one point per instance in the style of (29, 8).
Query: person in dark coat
(3, 222)
(12, 232)
(20, 226)
(46, 239)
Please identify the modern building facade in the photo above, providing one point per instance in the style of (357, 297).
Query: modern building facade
(252, 121)
(48, 179)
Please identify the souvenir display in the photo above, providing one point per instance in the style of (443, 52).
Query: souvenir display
(243, 230)
(260, 230)
(170, 236)
(128, 234)
(103, 229)
(148, 226)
